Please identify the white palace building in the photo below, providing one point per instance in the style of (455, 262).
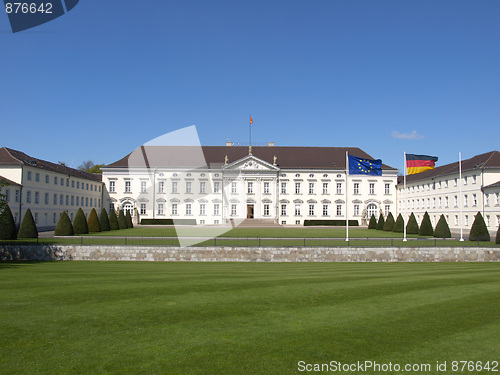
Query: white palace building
(217, 184)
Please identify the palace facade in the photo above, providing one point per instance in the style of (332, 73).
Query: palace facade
(214, 185)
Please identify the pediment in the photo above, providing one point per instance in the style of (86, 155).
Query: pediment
(251, 163)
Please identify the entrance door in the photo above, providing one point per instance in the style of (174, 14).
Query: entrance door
(249, 211)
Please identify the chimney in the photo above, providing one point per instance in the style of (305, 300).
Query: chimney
(228, 142)
(270, 144)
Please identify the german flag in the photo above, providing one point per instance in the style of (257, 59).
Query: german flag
(419, 163)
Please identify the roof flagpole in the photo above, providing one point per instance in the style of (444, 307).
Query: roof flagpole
(460, 194)
(404, 198)
(346, 192)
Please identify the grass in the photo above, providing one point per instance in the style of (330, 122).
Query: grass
(253, 318)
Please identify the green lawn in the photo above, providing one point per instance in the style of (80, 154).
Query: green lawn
(252, 318)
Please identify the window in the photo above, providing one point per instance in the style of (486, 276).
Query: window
(372, 188)
(161, 186)
(311, 210)
(486, 199)
(266, 187)
(73, 184)
(498, 220)
(234, 187)
(67, 200)
(28, 197)
(143, 209)
(160, 208)
(325, 210)
(497, 199)
(456, 220)
(455, 181)
(466, 219)
(297, 210)
(54, 218)
(283, 210)
(283, 188)
(36, 217)
(455, 200)
(77, 201)
(174, 209)
(233, 209)
(86, 201)
(474, 179)
(428, 203)
(46, 178)
(87, 186)
(387, 189)
(445, 183)
(72, 200)
(439, 185)
(440, 202)
(466, 200)
(143, 186)
(29, 176)
(78, 184)
(216, 209)
(37, 197)
(55, 180)
(339, 210)
(339, 188)
(433, 202)
(356, 188)
(202, 209)
(37, 177)
(61, 199)
(17, 196)
(487, 218)
(203, 187)
(174, 187)
(311, 187)
(356, 210)
(188, 208)
(446, 201)
(465, 180)
(216, 187)
(371, 210)
(297, 188)
(474, 199)
(325, 187)
(387, 209)
(112, 186)
(266, 209)
(189, 185)
(7, 195)
(250, 187)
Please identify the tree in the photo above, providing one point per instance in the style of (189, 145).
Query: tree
(412, 226)
(399, 225)
(104, 221)
(122, 223)
(498, 236)
(93, 222)
(426, 226)
(63, 163)
(479, 231)
(28, 227)
(381, 222)
(8, 229)
(3, 198)
(113, 220)
(64, 226)
(90, 167)
(389, 223)
(442, 229)
(80, 223)
(373, 222)
(128, 219)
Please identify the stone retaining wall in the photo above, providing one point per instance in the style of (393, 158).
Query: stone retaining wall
(248, 254)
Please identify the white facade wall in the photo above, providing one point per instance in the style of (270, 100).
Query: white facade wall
(47, 194)
(441, 195)
(249, 187)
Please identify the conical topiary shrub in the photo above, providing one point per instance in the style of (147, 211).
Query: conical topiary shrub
(442, 229)
(498, 236)
(122, 223)
(128, 219)
(373, 222)
(8, 229)
(381, 222)
(93, 222)
(479, 231)
(426, 226)
(399, 225)
(80, 223)
(104, 221)
(28, 227)
(64, 226)
(113, 221)
(412, 226)
(389, 223)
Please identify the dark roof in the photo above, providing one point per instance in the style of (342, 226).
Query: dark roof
(6, 181)
(288, 157)
(9, 156)
(484, 161)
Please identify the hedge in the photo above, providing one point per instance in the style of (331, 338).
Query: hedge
(128, 219)
(412, 226)
(113, 221)
(498, 235)
(93, 222)
(381, 222)
(426, 226)
(373, 222)
(332, 223)
(8, 230)
(104, 221)
(399, 225)
(442, 229)
(80, 223)
(122, 223)
(64, 226)
(168, 221)
(389, 223)
(28, 227)
(479, 231)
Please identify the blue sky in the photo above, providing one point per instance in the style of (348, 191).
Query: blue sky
(111, 75)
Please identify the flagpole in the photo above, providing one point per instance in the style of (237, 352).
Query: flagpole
(404, 197)
(460, 194)
(346, 192)
(250, 130)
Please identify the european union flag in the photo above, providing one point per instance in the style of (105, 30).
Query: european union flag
(365, 166)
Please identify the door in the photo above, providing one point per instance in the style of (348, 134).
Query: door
(249, 211)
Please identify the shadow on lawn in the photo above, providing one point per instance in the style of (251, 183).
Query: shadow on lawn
(29, 252)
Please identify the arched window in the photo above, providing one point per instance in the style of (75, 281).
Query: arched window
(127, 206)
(371, 209)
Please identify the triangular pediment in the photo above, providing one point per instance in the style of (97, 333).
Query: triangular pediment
(251, 163)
